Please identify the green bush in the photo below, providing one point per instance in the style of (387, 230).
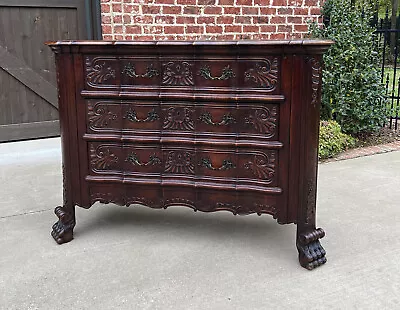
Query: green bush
(332, 140)
(352, 93)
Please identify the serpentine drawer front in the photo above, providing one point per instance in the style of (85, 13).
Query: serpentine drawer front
(208, 125)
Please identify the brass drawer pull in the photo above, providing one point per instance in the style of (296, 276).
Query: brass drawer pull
(226, 119)
(226, 164)
(227, 73)
(130, 71)
(134, 159)
(152, 116)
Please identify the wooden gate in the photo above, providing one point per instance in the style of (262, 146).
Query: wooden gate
(28, 93)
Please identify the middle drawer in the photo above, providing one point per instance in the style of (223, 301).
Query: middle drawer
(229, 119)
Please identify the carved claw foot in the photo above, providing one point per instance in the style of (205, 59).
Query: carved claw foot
(63, 229)
(311, 253)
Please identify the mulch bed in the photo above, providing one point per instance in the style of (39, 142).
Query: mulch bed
(385, 140)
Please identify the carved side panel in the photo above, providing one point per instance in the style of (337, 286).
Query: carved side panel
(311, 201)
(310, 183)
(101, 72)
(316, 71)
(65, 189)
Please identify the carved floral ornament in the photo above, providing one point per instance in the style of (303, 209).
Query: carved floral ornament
(263, 74)
(263, 120)
(98, 71)
(99, 115)
(102, 157)
(262, 166)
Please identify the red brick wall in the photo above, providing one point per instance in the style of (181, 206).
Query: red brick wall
(207, 19)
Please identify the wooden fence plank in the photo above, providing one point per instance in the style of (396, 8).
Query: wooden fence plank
(26, 131)
(23, 73)
(42, 3)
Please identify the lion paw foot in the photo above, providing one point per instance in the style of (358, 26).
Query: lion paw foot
(62, 230)
(311, 252)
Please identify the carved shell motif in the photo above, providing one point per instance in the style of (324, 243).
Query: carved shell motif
(102, 158)
(99, 115)
(178, 119)
(98, 71)
(180, 162)
(264, 74)
(263, 120)
(262, 167)
(177, 74)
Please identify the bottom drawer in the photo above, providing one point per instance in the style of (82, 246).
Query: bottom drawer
(231, 165)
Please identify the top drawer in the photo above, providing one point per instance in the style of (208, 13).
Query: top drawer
(129, 72)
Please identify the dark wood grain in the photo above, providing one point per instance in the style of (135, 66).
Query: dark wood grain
(211, 126)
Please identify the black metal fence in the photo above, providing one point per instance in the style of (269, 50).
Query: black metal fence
(388, 46)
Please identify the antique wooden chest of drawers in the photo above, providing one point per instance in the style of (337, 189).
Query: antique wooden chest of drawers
(208, 125)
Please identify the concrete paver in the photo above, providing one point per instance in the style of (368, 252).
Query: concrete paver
(140, 258)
